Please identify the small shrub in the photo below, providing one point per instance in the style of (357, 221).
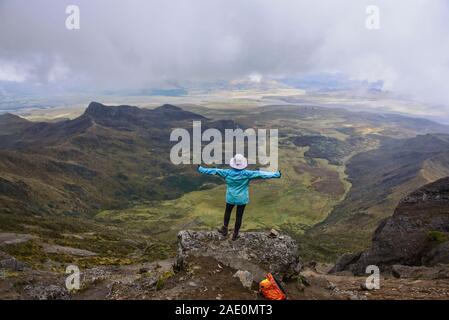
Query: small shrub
(162, 278)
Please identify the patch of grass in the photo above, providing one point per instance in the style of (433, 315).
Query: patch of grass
(115, 245)
(329, 247)
(437, 236)
(163, 278)
(8, 274)
(88, 262)
(29, 252)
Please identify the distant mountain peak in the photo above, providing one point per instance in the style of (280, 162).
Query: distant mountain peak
(7, 117)
(168, 107)
(125, 116)
(176, 113)
(11, 123)
(95, 107)
(95, 104)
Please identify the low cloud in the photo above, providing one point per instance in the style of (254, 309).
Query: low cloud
(144, 43)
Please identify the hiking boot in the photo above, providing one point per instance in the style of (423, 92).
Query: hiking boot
(235, 236)
(223, 230)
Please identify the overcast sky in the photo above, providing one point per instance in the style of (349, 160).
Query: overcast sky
(148, 43)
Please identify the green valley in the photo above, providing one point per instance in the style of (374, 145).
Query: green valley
(99, 181)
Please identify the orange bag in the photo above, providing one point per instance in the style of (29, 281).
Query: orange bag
(271, 289)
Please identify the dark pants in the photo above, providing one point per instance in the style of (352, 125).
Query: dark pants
(238, 220)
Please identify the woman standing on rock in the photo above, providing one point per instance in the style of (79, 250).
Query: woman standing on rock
(237, 182)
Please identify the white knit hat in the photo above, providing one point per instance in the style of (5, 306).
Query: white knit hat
(238, 162)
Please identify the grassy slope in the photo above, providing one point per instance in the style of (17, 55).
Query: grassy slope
(394, 173)
(114, 246)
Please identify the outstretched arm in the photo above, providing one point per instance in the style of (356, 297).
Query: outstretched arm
(264, 174)
(212, 171)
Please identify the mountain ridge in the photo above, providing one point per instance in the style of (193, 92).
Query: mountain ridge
(97, 142)
(416, 234)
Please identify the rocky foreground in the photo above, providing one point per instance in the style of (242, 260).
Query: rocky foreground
(254, 252)
(209, 266)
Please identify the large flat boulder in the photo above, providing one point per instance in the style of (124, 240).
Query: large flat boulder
(52, 248)
(440, 271)
(256, 252)
(8, 262)
(9, 238)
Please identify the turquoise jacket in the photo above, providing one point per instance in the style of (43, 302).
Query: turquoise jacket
(237, 182)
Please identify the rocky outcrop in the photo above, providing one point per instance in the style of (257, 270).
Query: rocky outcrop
(245, 277)
(440, 271)
(46, 292)
(255, 252)
(345, 261)
(417, 233)
(439, 254)
(51, 248)
(8, 238)
(8, 262)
